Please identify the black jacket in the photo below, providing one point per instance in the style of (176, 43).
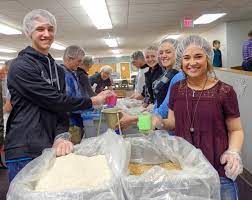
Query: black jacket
(85, 86)
(161, 85)
(37, 87)
(150, 77)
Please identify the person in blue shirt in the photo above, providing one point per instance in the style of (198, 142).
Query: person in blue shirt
(217, 60)
(73, 57)
(167, 56)
(162, 86)
(247, 53)
(162, 110)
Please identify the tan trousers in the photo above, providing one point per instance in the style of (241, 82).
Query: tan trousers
(76, 134)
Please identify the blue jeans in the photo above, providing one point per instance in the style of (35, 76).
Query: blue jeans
(171, 133)
(229, 189)
(15, 167)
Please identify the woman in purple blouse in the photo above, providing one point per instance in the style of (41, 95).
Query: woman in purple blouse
(205, 112)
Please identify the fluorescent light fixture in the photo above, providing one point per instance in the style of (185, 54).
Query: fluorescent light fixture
(115, 51)
(58, 58)
(5, 58)
(2, 62)
(58, 46)
(176, 36)
(4, 29)
(111, 42)
(98, 13)
(208, 18)
(4, 50)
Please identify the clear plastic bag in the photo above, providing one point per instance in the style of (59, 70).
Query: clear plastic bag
(131, 106)
(114, 147)
(197, 179)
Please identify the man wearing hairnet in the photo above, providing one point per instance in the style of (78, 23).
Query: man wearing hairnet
(73, 56)
(36, 83)
(138, 60)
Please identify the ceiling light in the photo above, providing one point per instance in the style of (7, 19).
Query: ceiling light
(115, 51)
(208, 18)
(111, 42)
(5, 58)
(2, 62)
(98, 13)
(58, 58)
(176, 36)
(58, 46)
(118, 56)
(7, 50)
(4, 29)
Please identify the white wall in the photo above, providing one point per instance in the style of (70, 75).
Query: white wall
(242, 84)
(236, 34)
(218, 33)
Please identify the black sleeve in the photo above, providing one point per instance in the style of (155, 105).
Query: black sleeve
(62, 117)
(143, 91)
(27, 81)
(62, 123)
(92, 80)
(90, 90)
(109, 82)
(85, 84)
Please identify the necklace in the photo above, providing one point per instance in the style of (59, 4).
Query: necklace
(191, 120)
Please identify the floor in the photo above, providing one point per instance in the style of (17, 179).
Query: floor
(3, 184)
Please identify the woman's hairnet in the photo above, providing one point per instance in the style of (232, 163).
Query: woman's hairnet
(193, 40)
(173, 42)
(29, 24)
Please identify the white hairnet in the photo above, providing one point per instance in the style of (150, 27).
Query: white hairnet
(29, 25)
(88, 61)
(193, 40)
(73, 52)
(173, 42)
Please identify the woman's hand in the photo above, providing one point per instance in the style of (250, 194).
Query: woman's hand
(233, 162)
(157, 122)
(126, 120)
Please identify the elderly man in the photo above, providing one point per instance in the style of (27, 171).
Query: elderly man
(82, 74)
(72, 58)
(36, 83)
(100, 81)
(138, 60)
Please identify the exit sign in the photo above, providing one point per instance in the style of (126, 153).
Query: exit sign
(188, 23)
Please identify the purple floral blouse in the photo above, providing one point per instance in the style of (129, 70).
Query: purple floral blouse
(214, 107)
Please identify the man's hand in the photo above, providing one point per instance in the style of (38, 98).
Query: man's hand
(62, 147)
(100, 99)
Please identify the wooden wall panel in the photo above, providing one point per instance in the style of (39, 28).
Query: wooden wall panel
(97, 68)
(125, 70)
